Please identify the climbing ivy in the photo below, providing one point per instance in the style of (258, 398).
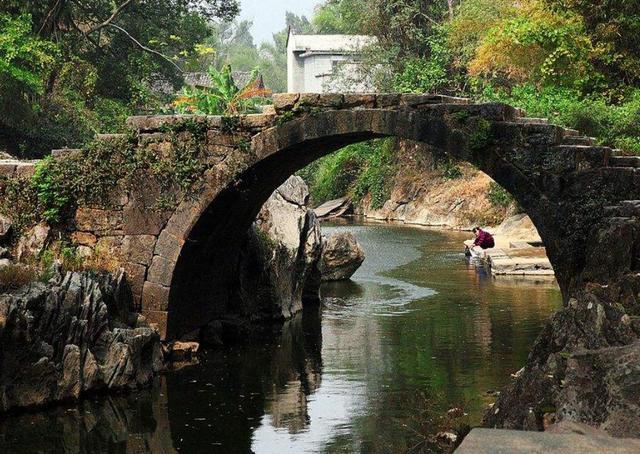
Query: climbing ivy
(480, 134)
(19, 201)
(104, 169)
(498, 196)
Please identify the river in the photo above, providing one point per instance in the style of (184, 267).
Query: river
(418, 331)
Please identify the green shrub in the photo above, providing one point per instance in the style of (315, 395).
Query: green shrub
(111, 115)
(19, 201)
(332, 176)
(498, 196)
(356, 170)
(449, 168)
(480, 134)
(377, 177)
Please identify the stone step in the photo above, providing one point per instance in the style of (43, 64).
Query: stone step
(14, 167)
(568, 132)
(625, 209)
(624, 161)
(530, 120)
(62, 152)
(519, 245)
(108, 137)
(502, 441)
(586, 156)
(579, 140)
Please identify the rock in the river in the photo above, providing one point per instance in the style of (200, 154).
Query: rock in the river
(183, 351)
(278, 266)
(334, 208)
(342, 255)
(71, 336)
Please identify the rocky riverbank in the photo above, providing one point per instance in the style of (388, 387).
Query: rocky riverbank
(431, 191)
(71, 336)
(584, 367)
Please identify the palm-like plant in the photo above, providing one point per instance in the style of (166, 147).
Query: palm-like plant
(223, 97)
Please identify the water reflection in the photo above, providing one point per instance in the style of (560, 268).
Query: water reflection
(135, 423)
(417, 331)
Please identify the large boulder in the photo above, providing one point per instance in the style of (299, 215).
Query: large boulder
(71, 336)
(342, 255)
(517, 227)
(278, 266)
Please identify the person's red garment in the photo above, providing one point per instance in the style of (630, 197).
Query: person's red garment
(484, 240)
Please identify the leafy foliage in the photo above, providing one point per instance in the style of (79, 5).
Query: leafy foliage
(498, 196)
(224, 97)
(78, 67)
(420, 75)
(450, 169)
(356, 170)
(25, 60)
(536, 44)
(614, 30)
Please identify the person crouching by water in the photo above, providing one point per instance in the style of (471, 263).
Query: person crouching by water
(483, 240)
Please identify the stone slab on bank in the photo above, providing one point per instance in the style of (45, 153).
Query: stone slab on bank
(500, 441)
(519, 261)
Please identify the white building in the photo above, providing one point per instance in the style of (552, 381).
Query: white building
(325, 63)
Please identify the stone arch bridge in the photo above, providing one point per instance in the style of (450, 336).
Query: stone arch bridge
(583, 199)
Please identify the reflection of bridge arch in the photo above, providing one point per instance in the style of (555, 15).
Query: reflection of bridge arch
(561, 180)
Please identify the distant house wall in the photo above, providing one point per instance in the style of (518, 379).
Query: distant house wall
(295, 69)
(325, 63)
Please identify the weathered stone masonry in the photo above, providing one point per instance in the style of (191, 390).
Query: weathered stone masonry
(178, 260)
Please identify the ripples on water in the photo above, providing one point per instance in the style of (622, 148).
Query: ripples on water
(416, 331)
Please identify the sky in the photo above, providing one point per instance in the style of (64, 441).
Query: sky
(268, 15)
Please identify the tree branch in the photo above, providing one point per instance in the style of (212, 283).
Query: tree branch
(84, 35)
(433, 21)
(111, 18)
(145, 48)
(451, 6)
(49, 15)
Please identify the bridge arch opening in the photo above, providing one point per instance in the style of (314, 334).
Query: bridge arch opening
(203, 276)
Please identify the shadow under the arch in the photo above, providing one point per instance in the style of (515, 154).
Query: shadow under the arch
(204, 284)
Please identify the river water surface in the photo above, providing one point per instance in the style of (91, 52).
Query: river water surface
(417, 331)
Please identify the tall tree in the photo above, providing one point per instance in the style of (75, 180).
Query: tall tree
(111, 54)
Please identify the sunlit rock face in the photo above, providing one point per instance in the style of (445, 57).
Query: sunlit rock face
(342, 255)
(278, 267)
(71, 336)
